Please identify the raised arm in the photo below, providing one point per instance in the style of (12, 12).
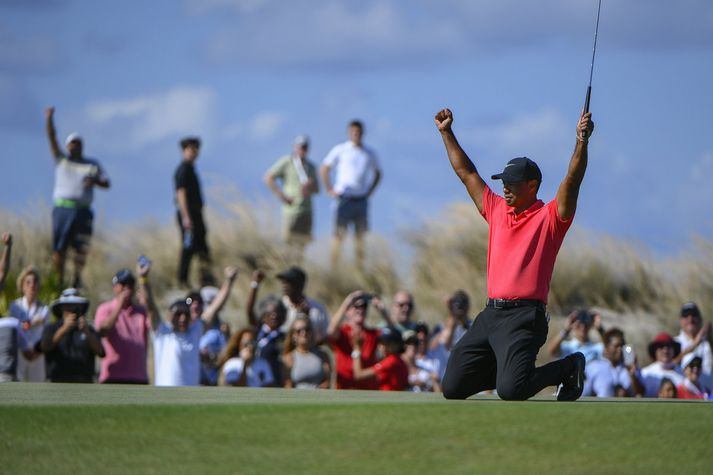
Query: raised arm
(146, 296)
(219, 301)
(5, 258)
(52, 133)
(258, 276)
(462, 165)
(336, 321)
(568, 191)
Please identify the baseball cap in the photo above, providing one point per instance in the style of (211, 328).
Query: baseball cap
(519, 169)
(124, 277)
(73, 137)
(293, 275)
(390, 335)
(690, 308)
(690, 358)
(301, 140)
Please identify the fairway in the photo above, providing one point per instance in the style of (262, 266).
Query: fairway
(54, 428)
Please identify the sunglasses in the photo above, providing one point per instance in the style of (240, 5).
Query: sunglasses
(404, 304)
(302, 330)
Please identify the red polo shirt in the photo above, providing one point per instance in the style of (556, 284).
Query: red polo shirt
(342, 347)
(522, 248)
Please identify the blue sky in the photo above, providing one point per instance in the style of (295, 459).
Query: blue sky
(248, 75)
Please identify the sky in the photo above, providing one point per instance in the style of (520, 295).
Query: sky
(133, 77)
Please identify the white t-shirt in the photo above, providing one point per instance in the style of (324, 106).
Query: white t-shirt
(653, 374)
(354, 168)
(602, 377)
(69, 178)
(259, 373)
(177, 355)
(29, 312)
(703, 350)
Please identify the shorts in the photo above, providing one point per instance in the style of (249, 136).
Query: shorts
(352, 211)
(71, 227)
(298, 225)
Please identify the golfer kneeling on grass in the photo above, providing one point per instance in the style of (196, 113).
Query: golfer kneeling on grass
(500, 348)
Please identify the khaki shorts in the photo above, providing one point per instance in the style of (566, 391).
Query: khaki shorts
(298, 226)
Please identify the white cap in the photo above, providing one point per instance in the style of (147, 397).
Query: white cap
(301, 140)
(72, 137)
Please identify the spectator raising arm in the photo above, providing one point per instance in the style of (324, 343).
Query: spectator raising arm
(52, 134)
(258, 277)
(146, 296)
(5, 258)
(336, 321)
(218, 302)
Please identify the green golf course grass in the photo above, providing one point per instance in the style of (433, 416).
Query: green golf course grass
(77, 429)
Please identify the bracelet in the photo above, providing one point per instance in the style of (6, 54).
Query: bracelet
(254, 284)
(356, 354)
(142, 280)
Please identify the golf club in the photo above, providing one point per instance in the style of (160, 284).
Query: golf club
(591, 69)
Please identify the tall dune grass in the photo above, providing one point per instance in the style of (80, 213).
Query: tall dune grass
(631, 287)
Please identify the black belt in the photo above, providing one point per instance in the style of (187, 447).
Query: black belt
(500, 303)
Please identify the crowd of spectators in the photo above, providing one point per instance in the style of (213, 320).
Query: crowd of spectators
(291, 341)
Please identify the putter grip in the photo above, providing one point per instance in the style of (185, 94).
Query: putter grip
(586, 107)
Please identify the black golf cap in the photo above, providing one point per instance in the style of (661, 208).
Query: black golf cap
(690, 308)
(519, 169)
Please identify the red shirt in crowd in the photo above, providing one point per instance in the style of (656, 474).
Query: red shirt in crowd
(343, 348)
(522, 248)
(392, 374)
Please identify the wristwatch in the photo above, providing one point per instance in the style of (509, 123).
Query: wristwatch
(356, 354)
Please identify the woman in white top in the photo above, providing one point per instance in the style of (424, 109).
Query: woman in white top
(306, 366)
(32, 315)
(240, 367)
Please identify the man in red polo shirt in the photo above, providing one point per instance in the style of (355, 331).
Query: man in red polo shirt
(343, 336)
(500, 348)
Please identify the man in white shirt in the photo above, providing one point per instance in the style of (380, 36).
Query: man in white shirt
(356, 176)
(72, 218)
(695, 338)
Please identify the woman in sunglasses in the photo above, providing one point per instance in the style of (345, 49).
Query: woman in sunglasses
(306, 366)
(239, 364)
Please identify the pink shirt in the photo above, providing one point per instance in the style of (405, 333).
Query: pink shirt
(522, 248)
(125, 346)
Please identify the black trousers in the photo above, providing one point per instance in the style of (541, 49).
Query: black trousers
(499, 352)
(198, 246)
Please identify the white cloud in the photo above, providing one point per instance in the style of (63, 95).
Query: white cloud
(150, 118)
(354, 34)
(541, 135)
(265, 125)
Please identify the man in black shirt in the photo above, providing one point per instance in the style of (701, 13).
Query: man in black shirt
(189, 202)
(71, 343)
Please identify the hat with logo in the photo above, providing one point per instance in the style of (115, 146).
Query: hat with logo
(519, 169)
